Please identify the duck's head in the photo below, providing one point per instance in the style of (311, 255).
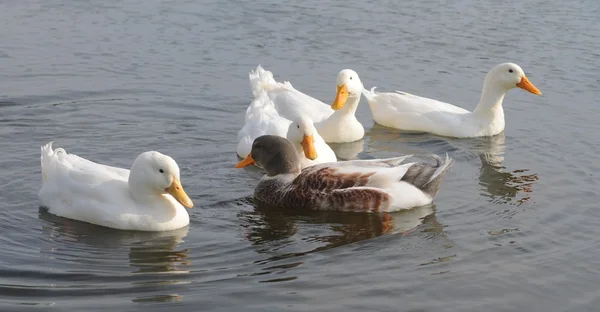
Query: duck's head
(348, 85)
(302, 131)
(509, 76)
(153, 172)
(275, 154)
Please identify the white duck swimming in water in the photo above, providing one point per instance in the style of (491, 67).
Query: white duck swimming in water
(262, 118)
(405, 111)
(336, 123)
(147, 198)
(377, 185)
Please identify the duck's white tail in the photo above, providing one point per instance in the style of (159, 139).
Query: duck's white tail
(259, 105)
(369, 94)
(260, 78)
(46, 157)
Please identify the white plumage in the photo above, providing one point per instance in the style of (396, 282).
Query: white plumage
(147, 198)
(335, 126)
(405, 111)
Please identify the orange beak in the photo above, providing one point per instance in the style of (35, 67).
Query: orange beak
(526, 85)
(308, 145)
(176, 190)
(340, 98)
(246, 162)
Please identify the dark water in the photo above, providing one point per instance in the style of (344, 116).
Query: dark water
(515, 227)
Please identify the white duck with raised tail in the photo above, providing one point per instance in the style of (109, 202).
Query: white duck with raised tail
(262, 118)
(147, 198)
(336, 123)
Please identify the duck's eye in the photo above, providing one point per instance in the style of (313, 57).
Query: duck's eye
(161, 171)
(298, 126)
(350, 77)
(510, 70)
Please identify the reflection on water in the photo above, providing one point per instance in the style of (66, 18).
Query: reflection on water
(159, 254)
(159, 298)
(149, 252)
(152, 254)
(394, 142)
(501, 186)
(349, 150)
(268, 224)
(285, 234)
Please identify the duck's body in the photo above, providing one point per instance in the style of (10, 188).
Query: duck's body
(262, 118)
(377, 185)
(79, 189)
(335, 123)
(405, 111)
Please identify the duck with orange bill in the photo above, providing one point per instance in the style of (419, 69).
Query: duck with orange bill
(336, 123)
(149, 197)
(262, 118)
(377, 185)
(405, 111)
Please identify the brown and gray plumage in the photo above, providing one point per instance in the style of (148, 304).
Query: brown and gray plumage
(376, 185)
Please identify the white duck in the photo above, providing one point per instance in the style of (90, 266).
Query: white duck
(336, 123)
(376, 185)
(262, 118)
(405, 111)
(147, 198)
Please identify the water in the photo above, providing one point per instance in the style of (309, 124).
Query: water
(514, 228)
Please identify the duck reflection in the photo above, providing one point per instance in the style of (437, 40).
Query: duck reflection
(285, 234)
(349, 150)
(498, 184)
(275, 226)
(394, 142)
(149, 252)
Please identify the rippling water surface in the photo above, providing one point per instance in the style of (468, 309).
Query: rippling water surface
(514, 228)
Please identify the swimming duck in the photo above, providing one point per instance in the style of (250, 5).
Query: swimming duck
(405, 111)
(336, 123)
(378, 185)
(262, 118)
(147, 198)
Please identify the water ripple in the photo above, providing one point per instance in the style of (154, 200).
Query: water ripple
(513, 227)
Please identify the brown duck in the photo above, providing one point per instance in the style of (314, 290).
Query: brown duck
(376, 185)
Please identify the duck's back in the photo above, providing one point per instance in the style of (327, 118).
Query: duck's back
(405, 111)
(377, 185)
(79, 189)
(290, 102)
(334, 186)
(261, 119)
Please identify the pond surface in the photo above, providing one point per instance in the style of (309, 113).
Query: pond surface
(514, 228)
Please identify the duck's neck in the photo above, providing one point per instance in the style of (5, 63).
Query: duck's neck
(283, 162)
(145, 196)
(490, 104)
(349, 109)
(342, 125)
(284, 167)
(292, 137)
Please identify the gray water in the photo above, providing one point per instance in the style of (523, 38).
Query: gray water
(514, 228)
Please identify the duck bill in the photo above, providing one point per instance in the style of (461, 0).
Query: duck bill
(246, 162)
(176, 190)
(526, 85)
(308, 145)
(340, 98)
